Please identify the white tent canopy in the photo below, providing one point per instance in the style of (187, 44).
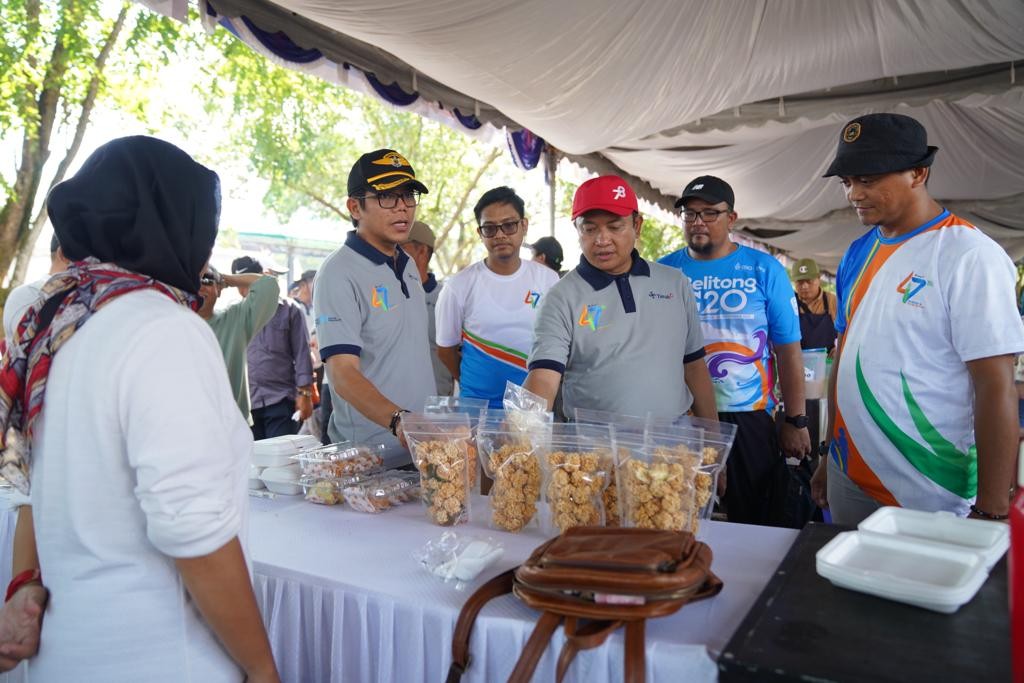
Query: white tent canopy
(749, 90)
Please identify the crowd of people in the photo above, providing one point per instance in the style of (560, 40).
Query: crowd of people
(132, 418)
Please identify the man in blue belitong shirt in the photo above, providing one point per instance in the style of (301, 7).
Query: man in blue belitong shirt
(749, 318)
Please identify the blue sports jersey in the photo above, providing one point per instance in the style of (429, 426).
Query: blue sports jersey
(746, 304)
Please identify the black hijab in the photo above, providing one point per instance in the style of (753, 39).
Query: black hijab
(142, 204)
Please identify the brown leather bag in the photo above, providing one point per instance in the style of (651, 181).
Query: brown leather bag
(607, 577)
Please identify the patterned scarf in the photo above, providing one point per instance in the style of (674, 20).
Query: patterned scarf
(69, 299)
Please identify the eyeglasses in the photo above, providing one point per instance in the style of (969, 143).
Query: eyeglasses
(491, 229)
(208, 279)
(389, 200)
(706, 215)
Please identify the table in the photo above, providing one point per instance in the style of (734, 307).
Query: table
(804, 628)
(344, 600)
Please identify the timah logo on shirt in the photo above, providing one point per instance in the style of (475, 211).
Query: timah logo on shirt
(379, 298)
(909, 288)
(591, 316)
(532, 298)
(658, 295)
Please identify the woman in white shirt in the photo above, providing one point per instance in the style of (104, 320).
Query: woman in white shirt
(138, 454)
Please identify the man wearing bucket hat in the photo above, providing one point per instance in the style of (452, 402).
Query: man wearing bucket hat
(924, 404)
(619, 334)
(817, 307)
(371, 313)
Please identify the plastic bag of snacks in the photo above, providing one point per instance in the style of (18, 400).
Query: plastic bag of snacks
(440, 447)
(579, 462)
(511, 458)
(716, 439)
(382, 492)
(474, 408)
(659, 481)
(628, 428)
(526, 410)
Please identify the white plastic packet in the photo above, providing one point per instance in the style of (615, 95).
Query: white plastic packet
(459, 558)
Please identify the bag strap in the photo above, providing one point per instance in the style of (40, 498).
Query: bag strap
(499, 585)
(590, 635)
(535, 647)
(635, 656)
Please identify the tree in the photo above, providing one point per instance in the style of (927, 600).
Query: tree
(54, 69)
(303, 134)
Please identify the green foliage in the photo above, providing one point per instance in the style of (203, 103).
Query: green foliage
(658, 238)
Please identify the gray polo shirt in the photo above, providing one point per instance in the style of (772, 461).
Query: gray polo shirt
(620, 342)
(372, 306)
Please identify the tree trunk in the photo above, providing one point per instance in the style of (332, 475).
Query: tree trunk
(28, 241)
(455, 258)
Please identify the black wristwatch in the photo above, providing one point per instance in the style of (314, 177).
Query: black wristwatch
(798, 421)
(395, 417)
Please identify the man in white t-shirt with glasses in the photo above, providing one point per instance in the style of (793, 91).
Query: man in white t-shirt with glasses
(485, 313)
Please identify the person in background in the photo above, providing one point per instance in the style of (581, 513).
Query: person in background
(817, 307)
(486, 312)
(548, 251)
(619, 334)
(279, 365)
(130, 425)
(923, 406)
(749, 316)
(420, 249)
(371, 312)
(237, 325)
(21, 298)
(302, 292)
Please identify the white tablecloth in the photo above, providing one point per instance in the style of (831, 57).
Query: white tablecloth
(344, 600)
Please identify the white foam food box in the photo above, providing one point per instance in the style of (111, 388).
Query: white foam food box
(932, 560)
(255, 483)
(282, 480)
(278, 451)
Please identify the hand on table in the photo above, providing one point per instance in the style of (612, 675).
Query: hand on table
(21, 620)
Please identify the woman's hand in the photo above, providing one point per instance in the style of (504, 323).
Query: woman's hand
(21, 620)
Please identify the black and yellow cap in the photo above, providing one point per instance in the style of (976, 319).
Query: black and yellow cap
(382, 170)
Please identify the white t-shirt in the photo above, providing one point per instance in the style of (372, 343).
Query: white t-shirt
(492, 317)
(140, 456)
(913, 310)
(18, 302)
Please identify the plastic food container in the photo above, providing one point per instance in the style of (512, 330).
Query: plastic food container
(255, 483)
(814, 373)
(936, 576)
(990, 539)
(339, 460)
(278, 451)
(282, 480)
(381, 493)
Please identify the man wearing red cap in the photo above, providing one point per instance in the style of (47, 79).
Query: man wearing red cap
(618, 333)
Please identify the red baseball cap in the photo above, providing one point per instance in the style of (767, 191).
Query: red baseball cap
(606, 193)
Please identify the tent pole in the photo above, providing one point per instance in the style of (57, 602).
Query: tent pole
(552, 181)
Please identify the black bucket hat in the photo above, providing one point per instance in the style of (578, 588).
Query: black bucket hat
(881, 143)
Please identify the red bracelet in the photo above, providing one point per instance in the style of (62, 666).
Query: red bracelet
(27, 576)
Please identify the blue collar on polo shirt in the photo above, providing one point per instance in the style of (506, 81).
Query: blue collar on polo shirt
(598, 279)
(396, 262)
(431, 284)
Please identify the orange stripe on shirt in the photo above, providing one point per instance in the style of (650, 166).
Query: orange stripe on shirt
(718, 347)
(858, 471)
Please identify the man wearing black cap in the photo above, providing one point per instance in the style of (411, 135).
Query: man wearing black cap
(924, 410)
(279, 363)
(749, 317)
(548, 251)
(371, 314)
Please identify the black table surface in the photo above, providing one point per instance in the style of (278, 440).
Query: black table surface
(804, 628)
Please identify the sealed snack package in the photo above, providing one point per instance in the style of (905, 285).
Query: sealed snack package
(474, 408)
(440, 447)
(629, 432)
(511, 458)
(340, 460)
(527, 410)
(659, 481)
(579, 461)
(381, 492)
(715, 440)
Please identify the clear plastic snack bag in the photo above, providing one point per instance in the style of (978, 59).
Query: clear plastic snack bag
(579, 460)
(715, 438)
(441, 444)
(512, 459)
(459, 558)
(473, 408)
(526, 410)
(629, 431)
(659, 480)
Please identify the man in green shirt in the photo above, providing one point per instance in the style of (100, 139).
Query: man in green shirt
(236, 325)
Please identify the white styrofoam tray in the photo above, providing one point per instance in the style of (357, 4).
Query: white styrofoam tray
(935, 576)
(991, 539)
(282, 480)
(278, 451)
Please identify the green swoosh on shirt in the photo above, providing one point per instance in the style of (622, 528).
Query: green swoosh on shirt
(953, 470)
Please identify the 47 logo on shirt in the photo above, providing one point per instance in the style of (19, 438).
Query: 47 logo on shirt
(910, 286)
(591, 316)
(532, 298)
(379, 298)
